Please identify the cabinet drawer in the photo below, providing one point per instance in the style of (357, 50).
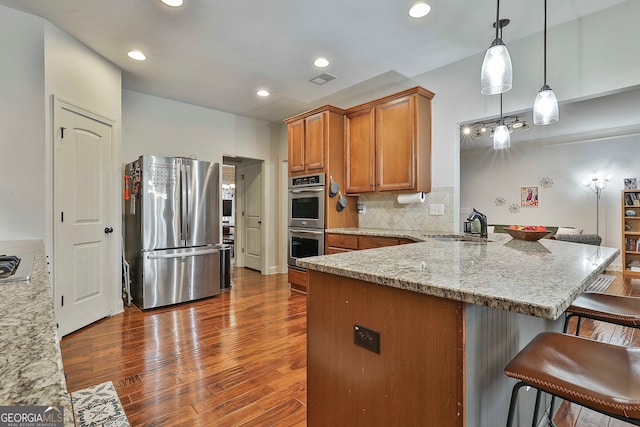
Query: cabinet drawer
(298, 280)
(346, 241)
(333, 250)
(369, 242)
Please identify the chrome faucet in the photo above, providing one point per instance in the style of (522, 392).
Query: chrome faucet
(483, 221)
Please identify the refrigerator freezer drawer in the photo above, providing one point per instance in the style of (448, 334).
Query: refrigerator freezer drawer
(177, 275)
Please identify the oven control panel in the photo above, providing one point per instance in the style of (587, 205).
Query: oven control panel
(307, 180)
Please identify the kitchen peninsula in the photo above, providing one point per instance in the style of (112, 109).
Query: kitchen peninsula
(447, 315)
(30, 360)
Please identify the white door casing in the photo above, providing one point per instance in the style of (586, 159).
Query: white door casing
(252, 221)
(82, 243)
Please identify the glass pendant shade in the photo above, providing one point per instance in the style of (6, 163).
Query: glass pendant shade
(545, 107)
(496, 75)
(501, 138)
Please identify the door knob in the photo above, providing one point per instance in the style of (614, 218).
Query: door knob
(108, 230)
(259, 221)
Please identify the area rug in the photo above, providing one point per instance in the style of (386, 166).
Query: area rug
(601, 283)
(98, 406)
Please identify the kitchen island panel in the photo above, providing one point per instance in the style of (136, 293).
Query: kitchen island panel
(418, 375)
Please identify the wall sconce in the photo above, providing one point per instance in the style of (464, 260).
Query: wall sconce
(597, 184)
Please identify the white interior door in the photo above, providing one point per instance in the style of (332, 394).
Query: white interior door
(83, 228)
(252, 221)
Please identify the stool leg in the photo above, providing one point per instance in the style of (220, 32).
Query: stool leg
(553, 402)
(512, 404)
(534, 423)
(578, 326)
(567, 316)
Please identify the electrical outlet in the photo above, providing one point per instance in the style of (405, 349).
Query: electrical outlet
(361, 208)
(436, 209)
(366, 338)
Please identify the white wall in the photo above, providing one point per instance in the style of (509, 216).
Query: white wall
(594, 55)
(488, 174)
(76, 74)
(164, 127)
(22, 120)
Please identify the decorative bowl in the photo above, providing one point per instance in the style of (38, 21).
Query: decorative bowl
(530, 236)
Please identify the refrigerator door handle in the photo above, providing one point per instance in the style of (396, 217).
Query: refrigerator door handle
(184, 255)
(184, 209)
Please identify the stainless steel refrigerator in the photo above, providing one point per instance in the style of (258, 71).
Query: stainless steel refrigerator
(171, 229)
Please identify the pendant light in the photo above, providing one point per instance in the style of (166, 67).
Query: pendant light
(545, 107)
(496, 75)
(501, 137)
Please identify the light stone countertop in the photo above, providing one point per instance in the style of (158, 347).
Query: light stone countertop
(31, 370)
(535, 278)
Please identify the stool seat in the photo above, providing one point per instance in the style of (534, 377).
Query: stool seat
(616, 309)
(594, 374)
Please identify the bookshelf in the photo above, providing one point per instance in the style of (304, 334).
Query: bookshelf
(631, 232)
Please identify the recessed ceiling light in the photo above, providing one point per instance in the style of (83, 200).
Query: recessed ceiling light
(173, 3)
(419, 10)
(137, 55)
(262, 93)
(321, 62)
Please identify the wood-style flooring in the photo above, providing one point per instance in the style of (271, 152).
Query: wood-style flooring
(238, 359)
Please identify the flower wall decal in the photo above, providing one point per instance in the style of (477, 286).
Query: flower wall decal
(500, 201)
(546, 182)
(514, 208)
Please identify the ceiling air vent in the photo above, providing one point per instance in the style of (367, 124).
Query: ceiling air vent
(322, 78)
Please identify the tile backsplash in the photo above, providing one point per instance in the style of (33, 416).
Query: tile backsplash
(384, 211)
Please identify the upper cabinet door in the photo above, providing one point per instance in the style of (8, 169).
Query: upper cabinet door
(296, 146)
(360, 152)
(315, 141)
(396, 145)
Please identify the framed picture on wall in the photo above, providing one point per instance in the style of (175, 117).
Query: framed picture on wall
(528, 196)
(630, 183)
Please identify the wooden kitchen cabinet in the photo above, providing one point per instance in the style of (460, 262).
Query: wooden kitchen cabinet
(316, 140)
(295, 132)
(388, 144)
(360, 152)
(337, 243)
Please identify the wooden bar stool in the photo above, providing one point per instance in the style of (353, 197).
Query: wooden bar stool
(616, 309)
(596, 375)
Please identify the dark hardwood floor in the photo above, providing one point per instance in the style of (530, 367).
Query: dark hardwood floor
(232, 360)
(238, 359)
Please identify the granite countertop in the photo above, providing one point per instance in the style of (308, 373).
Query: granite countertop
(535, 278)
(30, 359)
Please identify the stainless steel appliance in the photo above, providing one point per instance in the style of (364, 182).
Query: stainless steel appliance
(304, 242)
(306, 201)
(15, 268)
(306, 217)
(171, 229)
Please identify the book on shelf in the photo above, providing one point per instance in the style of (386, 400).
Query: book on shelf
(632, 245)
(630, 199)
(634, 265)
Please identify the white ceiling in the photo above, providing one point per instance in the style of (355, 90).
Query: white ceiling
(217, 54)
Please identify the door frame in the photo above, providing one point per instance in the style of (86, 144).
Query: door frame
(114, 256)
(240, 205)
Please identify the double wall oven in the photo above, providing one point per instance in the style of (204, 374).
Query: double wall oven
(306, 217)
